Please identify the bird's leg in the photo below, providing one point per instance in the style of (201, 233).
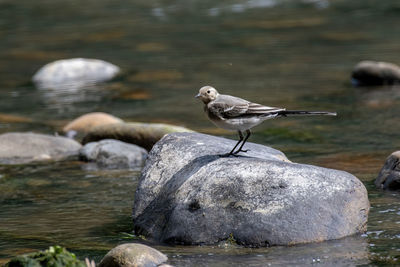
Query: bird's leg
(233, 149)
(244, 141)
(240, 140)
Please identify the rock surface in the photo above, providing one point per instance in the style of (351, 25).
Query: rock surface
(133, 255)
(389, 176)
(375, 73)
(113, 154)
(188, 194)
(19, 148)
(141, 134)
(74, 70)
(86, 122)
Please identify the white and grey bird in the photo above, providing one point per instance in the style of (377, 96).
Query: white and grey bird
(234, 113)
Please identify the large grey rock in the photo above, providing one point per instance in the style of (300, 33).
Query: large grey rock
(138, 133)
(375, 73)
(114, 154)
(18, 148)
(78, 71)
(133, 255)
(188, 194)
(389, 176)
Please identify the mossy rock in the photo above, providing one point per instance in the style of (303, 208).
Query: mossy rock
(138, 133)
(53, 257)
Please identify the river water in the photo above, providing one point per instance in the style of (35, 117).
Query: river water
(296, 54)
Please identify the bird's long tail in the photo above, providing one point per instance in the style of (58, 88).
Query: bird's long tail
(285, 113)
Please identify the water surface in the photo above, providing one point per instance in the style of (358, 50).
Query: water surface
(290, 53)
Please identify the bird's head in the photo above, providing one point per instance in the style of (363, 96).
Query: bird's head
(207, 94)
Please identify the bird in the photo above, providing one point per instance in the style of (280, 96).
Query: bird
(237, 114)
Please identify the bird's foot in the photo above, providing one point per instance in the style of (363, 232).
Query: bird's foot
(227, 155)
(240, 150)
(235, 154)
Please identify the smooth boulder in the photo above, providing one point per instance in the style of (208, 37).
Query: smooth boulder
(77, 71)
(138, 133)
(86, 122)
(19, 148)
(189, 194)
(375, 73)
(389, 176)
(133, 255)
(113, 154)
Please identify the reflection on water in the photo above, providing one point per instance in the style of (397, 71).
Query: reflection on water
(348, 251)
(89, 212)
(63, 96)
(63, 204)
(291, 53)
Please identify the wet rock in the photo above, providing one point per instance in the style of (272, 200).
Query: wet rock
(19, 148)
(188, 194)
(389, 176)
(85, 123)
(141, 134)
(78, 71)
(113, 154)
(375, 73)
(133, 255)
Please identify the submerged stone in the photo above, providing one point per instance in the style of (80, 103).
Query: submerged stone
(189, 194)
(133, 255)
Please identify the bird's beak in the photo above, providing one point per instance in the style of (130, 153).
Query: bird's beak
(197, 96)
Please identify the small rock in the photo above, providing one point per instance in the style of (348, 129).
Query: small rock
(375, 73)
(133, 255)
(189, 194)
(75, 70)
(20, 148)
(141, 134)
(389, 176)
(114, 154)
(85, 123)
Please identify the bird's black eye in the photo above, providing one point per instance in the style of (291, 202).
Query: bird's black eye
(208, 91)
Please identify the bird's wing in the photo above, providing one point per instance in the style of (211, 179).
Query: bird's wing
(224, 111)
(255, 108)
(226, 107)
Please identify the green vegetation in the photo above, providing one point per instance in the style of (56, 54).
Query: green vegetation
(132, 236)
(231, 240)
(53, 257)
